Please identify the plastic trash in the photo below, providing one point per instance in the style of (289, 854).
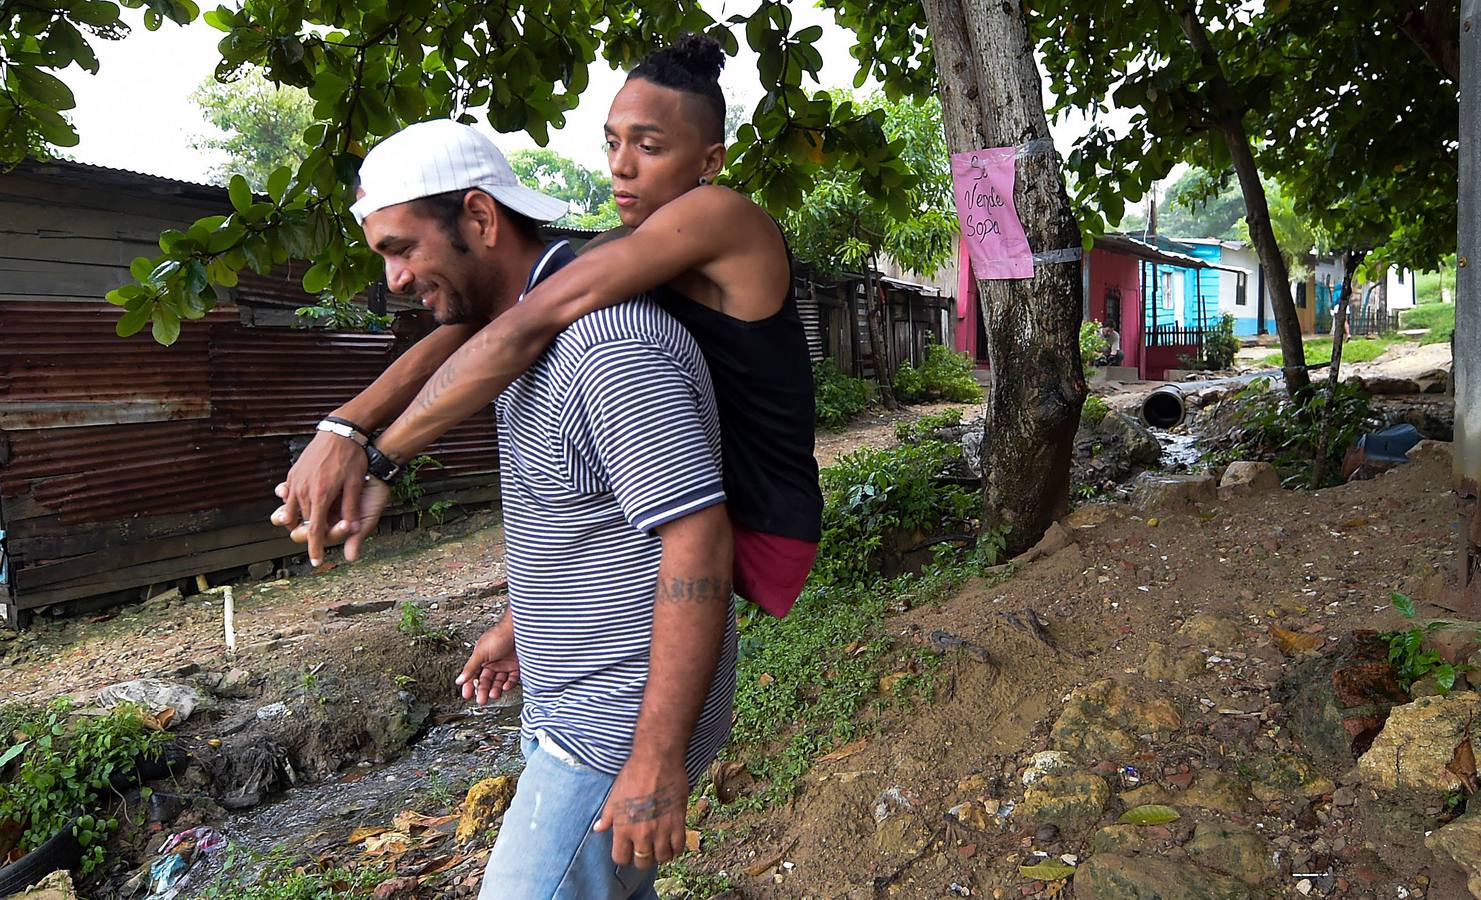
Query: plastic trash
(154, 695)
(171, 871)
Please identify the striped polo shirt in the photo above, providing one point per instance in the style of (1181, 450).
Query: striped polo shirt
(612, 433)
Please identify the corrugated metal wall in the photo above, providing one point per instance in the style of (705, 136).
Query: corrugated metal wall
(124, 463)
(120, 444)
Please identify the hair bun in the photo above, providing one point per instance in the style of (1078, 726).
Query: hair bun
(698, 54)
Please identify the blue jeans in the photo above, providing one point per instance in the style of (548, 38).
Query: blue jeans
(546, 849)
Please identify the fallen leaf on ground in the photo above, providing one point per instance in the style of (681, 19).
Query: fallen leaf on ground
(408, 819)
(1291, 642)
(763, 863)
(1047, 871)
(366, 831)
(391, 843)
(845, 751)
(1150, 814)
(691, 840)
(1463, 763)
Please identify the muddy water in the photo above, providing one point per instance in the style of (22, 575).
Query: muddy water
(431, 777)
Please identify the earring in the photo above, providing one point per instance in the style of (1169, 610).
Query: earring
(703, 180)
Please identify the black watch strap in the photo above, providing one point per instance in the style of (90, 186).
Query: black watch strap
(380, 465)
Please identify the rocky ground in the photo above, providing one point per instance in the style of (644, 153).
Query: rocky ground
(1200, 710)
(1181, 696)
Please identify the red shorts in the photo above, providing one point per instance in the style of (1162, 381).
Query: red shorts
(770, 569)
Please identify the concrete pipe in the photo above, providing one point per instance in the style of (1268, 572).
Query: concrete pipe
(1164, 407)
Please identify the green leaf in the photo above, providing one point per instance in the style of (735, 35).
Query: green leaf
(131, 322)
(240, 192)
(13, 752)
(44, 86)
(317, 277)
(1150, 814)
(277, 183)
(166, 325)
(1445, 677)
(1403, 603)
(1047, 871)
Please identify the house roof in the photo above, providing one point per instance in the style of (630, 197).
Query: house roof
(1130, 246)
(124, 179)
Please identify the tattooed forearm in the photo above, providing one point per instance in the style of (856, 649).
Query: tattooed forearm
(693, 590)
(647, 807)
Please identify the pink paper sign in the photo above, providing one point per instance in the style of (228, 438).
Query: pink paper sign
(982, 181)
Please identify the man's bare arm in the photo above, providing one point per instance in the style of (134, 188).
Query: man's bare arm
(646, 807)
(687, 234)
(332, 468)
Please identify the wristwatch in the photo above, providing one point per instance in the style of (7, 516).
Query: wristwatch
(380, 465)
(344, 428)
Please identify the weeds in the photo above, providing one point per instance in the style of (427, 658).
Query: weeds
(837, 397)
(1411, 660)
(694, 885)
(63, 765)
(943, 375)
(413, 624)
(927, 426)
(408, 488)
(281, 878)
(871, 494)
(1095, 409)
(1286, 432)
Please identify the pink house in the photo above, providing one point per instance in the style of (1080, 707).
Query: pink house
(1115, 276)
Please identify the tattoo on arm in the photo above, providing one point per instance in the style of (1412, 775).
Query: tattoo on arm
(648, 807)
(693, 590)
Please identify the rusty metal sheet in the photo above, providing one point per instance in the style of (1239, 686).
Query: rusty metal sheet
(267, 381)
(123, 471)
(63, 366)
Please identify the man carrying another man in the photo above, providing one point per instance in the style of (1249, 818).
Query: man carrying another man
(611, 478)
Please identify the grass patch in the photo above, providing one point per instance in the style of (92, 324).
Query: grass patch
(804, 683)
(281, 878)
(1354, 350)
(1439, 318)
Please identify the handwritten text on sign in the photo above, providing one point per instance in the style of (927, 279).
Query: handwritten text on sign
(982, 181)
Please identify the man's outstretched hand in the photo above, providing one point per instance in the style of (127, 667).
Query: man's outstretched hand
(321, 497)
(492, 667)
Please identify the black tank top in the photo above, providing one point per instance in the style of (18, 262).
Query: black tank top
(764, 395)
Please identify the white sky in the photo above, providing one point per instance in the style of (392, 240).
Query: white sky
(136, 113)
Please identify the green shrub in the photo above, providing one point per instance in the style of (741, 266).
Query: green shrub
(1093, 345)
(838, 397)
(1094, 410)
(1286, 432)
(871, 493)
(63, 764)
(927, 425)
(943, 375)
(1220, 346)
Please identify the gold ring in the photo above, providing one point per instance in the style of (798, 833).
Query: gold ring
(641, 855)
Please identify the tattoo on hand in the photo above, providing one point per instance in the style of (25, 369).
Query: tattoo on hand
(649, 807)
(693, 590)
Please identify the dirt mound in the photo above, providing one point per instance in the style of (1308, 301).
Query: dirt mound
(931, 802)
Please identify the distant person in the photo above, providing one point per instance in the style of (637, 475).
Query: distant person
(1113, 353)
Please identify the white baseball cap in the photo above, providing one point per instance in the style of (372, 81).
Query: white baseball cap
(440, 156)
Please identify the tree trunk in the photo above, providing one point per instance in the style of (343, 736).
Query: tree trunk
(1350, 262)
(991, 96)
(1257, 214)
(882, 374)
